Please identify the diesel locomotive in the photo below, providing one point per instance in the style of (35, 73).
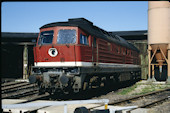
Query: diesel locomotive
(76, 55)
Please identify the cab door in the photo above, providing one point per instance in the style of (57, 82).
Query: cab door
(43, 44)
(94, 51)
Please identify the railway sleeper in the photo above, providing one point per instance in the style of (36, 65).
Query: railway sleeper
(15, 89)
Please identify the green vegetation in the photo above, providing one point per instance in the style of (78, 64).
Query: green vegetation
(151, 88)
(147, 89)
(127, 90)
(141, 88)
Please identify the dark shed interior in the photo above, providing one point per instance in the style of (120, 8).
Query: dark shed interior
(12, 53)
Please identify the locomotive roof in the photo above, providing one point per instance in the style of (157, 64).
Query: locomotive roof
(88, 27)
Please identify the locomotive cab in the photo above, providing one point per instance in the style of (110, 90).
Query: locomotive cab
(58, 56)
(54, 46)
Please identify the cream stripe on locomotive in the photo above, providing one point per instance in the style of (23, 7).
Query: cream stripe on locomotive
(59, 64)
(85, 64)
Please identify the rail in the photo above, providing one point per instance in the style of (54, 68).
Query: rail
(155, 102)
(137, 97)
(46, 95)
(150, 104)
(140, 96)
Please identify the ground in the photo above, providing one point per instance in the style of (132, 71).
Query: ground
(141, 87)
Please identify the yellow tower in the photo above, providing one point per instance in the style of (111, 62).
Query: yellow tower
(159, 38)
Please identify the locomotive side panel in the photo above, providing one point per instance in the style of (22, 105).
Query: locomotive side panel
(129, 59)
(106, 54)
(113, 53)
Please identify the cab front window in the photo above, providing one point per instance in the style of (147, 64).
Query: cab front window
(66, 36)
(46, 37)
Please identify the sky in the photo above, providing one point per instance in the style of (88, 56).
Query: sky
(108, 15)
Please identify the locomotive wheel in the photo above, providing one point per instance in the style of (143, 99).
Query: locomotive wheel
(41, 91)
(86, 85)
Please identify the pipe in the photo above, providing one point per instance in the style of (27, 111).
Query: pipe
(53, 103)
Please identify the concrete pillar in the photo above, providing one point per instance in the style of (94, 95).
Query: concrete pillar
(25, 62)
(149, 65)
(153, 73)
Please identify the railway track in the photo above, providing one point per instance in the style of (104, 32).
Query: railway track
(23, 90)
(159, 101)
(144, 101)
(35, 109)
(16, 90)
(150, 96)
(37, 97)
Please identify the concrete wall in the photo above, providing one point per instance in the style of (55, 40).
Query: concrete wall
(142, 45)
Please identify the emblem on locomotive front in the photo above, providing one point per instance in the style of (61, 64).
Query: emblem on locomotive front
(53, 52)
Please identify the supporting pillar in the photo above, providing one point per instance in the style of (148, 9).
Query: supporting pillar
(168, 64)
(153, 73)
(25, 62)
(151, 68)
(149, 65)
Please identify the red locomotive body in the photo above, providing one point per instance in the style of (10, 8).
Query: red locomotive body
(76, 55)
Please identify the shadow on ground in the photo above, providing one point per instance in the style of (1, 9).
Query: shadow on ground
(91, 93)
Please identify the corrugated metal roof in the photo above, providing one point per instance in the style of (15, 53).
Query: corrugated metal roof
(18, 35)
(130, 33)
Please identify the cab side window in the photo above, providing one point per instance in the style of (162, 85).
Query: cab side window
(84, 39)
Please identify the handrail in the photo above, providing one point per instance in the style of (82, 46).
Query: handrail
(55, 103)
